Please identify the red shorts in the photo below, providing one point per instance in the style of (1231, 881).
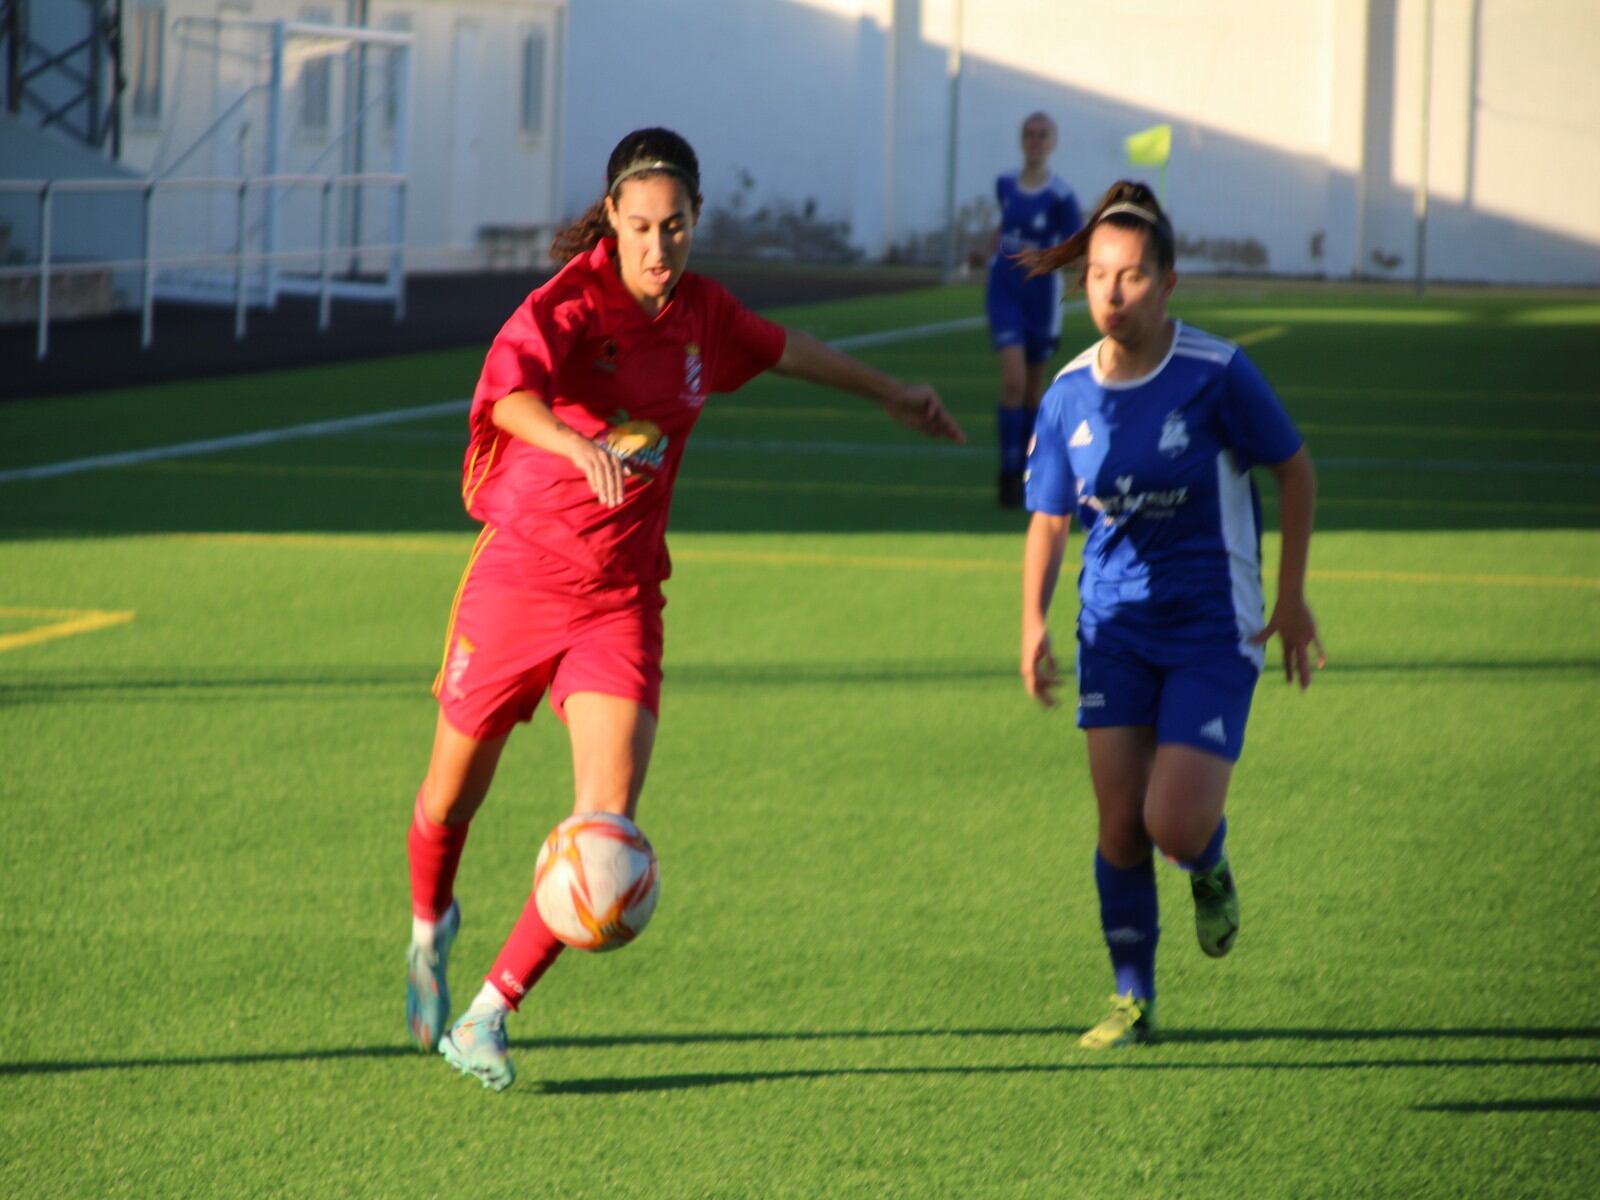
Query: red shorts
(516, 634)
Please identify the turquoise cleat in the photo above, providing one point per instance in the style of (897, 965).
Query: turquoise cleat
(476, 1045)
(1216, 909)
(427, 989)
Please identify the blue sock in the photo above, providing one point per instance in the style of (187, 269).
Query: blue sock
(1131, 922)
(1212, 854)
(1013, 439)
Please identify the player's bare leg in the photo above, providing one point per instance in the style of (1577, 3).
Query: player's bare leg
(460, 770)
(612, 739)
(611, 743)
(1121, 759)
(1183, 812)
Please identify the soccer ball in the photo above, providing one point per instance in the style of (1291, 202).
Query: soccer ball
(596, 881)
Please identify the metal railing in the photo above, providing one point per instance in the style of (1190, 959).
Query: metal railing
(239, 263)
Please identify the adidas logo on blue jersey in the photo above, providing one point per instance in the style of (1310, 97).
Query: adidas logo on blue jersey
(1213, 729)
(1082, 435)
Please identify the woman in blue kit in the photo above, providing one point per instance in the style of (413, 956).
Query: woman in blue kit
(1149, 436)
(1037, 209)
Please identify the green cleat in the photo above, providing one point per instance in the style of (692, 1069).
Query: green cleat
(1216, 908)
(476, 1045)
(427, 990)
(1129, 1022)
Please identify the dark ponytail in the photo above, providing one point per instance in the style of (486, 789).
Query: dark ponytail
(640, 155)
(1127, 204)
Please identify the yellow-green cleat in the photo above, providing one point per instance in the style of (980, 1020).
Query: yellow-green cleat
(1216, 908)
(1129, 1022)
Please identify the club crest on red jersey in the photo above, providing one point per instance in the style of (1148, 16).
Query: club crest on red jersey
(640, 446)
(692, 395)
(456, 668)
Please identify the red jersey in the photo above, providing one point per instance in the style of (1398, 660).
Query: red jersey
(633, 384)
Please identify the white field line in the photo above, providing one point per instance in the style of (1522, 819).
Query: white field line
(397, 416)
(129, 458)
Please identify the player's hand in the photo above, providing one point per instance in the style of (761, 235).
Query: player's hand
(1297, 630)
(918, 407)
(1040, 674)
(603, 470)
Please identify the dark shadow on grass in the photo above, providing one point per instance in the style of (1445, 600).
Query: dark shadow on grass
(1551, 1104)
(1123, 1061)
(416, 679)
(716, 1037)
(205, 690)
(1464, 666)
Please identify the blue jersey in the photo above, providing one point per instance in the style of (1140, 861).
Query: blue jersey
(1025, 311)
(1157, 471)
(1031, 219)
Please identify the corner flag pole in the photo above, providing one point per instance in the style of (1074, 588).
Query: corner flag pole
(953, 70)
(1421, 203)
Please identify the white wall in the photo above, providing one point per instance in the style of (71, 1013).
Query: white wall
(1296, 125)
(1297, 143)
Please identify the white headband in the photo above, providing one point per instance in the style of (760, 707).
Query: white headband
(1133, 210)
(640, 166)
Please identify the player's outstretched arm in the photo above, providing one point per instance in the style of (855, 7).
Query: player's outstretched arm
(916, 406)
(1041, 567)
(1291, 617)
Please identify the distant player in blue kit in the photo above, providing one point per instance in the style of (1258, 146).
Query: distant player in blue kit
(1149, 436)
(1037, 209)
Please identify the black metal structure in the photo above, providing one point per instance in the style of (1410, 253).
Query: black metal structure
(77, 87)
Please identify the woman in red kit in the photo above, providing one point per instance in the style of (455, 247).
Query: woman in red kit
(578, 427)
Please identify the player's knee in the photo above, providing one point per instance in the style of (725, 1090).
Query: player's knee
(1124, 845)
(1178, 835)
(1012, 392)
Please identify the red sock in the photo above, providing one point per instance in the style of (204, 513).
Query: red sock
(435, 852)
(527, 954)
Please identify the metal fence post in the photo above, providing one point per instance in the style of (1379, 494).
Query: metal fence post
(239, 270)
(147, 322)
(42, 345)
(324, 268)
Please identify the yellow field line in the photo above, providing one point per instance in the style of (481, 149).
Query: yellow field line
(1442, 431)
(1257, 336)
(822, 487)
(788, 558)
(64, 622)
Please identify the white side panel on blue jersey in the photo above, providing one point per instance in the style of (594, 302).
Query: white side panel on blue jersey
(1056, 284)
(1237, 511)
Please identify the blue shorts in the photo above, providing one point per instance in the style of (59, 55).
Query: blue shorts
(1024, 312)
(1204, 703)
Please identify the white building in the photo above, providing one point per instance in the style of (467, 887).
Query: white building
(1303, 129)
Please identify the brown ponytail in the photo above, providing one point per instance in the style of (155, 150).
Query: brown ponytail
(582, 236)
(1125, 192)
(641, 154)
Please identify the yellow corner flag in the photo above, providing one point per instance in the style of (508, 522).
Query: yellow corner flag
(1150, 147)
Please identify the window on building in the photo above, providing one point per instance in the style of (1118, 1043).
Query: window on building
(316, 81)
(535, 46)
(145, 25)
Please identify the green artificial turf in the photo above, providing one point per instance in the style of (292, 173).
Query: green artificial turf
(878, 938)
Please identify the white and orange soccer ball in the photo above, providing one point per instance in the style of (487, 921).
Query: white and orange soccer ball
(596, 881)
